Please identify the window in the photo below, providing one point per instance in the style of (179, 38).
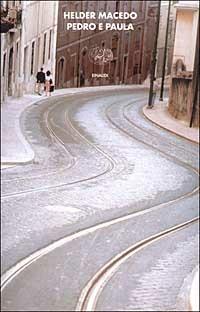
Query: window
(85, 5)
(140, 6)
(137, 65)
(136, 69)
(38, 54)
(115, 45)
(128, 6)
(84, 53)
(44, 47)
(17, 57)
(50, 35)
(25, 62)
(4, 64)
(127, 36)
(32, 56)
(117, 5)
(138, 38)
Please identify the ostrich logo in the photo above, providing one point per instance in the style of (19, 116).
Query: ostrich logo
(100, 56)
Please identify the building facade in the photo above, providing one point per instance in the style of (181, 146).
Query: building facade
(131, 49)
(183, 88)
(11, 23)
(161, 38)
(28, 45)
(186, 32)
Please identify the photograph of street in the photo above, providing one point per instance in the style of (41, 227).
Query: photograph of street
(100, 155)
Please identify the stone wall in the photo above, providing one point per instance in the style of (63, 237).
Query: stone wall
(180, 95)
(196, 115)
(180, 100)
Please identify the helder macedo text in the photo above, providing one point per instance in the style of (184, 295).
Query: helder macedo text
(103, 16)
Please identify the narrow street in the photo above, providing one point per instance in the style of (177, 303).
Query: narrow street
(106, 216)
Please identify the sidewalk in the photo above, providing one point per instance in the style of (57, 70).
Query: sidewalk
(160, 116)
(194, 292)
(14, 147)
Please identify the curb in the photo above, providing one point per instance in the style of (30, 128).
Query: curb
(169, 130)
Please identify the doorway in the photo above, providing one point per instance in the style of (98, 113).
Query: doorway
(10, 72)
(124, 70)
(25, 63)
(61, 73)
(113, 71)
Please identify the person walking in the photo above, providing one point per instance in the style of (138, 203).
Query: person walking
(48, 83)
(40, 81)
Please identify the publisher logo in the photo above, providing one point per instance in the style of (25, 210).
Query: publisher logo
(94, 75)
(100, 56)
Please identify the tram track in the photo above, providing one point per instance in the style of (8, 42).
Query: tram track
(19, 267)
(88, 293)
(108, 157)
(130, 135)
(92, 291)
(59, 142)
(125, 114)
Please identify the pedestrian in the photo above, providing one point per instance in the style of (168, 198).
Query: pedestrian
(48, 83)
(40, 81)
(51, 86)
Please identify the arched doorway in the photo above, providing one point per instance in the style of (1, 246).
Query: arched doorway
(60, 76)
(113, 63)
(83, 67)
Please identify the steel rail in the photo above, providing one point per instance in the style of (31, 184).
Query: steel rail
(121, 129)
(21, 265)
(108, 157)
(152, 134)
(57, 139)
(90, 294)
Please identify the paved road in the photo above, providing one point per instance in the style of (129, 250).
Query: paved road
(103, 179)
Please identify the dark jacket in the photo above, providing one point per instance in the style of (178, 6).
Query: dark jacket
(40, 77)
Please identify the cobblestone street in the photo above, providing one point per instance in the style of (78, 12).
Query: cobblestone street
(109, 203)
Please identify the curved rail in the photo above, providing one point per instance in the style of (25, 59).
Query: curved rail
(126, 107)
(121, 129)
(85, 297)
(90, 294)
(108, 157)
(60, 142)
